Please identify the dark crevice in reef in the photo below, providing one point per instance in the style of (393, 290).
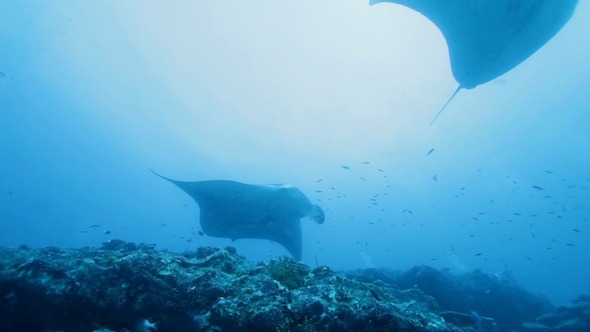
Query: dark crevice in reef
(129, 287)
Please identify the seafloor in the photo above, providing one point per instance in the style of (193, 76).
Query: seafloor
(134, 287)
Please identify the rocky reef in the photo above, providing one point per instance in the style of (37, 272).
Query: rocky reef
(134, 287)
(572, 318)
(481, 295)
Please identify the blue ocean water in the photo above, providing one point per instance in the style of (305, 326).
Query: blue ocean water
(94, 94)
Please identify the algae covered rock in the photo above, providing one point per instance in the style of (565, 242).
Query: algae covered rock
(288, 272)
(574, 317)
(124, 286)
(477, 300)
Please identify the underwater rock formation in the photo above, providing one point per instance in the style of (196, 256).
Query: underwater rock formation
(477, 294)
(117, 286)
(572, 318)
(134, 287)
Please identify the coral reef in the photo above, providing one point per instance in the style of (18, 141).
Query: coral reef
(572, 318)
(480, 295)
(134, 287)
(121, 286)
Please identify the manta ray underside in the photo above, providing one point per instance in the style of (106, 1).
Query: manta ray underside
(487, 38)
(243, 211)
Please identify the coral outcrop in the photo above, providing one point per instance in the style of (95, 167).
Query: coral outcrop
(476, 295)
(134, 287)
(114, 287)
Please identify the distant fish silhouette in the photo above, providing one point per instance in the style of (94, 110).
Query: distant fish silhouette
(243, 211)
(487, 38)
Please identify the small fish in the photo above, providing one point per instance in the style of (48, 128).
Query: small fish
(107, 232)
(366, 162)
(318, 191)
(345, 167)
(570, 244)
(549, 172)
(430, 151)
(200, 233)
(577, 230)
(146, 326)
(380, 170)
(478, 254)
(318, 181)
(435, 178)
(10, 192)
(530, 259)
(94, 226)
(538, 188)
(162, 224)
(362, 178)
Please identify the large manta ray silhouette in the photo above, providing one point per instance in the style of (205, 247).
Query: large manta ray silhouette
(487, 38)
(243, 211)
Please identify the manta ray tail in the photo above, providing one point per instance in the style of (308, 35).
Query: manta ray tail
(165, 178)
(158, 174)
(443, 108)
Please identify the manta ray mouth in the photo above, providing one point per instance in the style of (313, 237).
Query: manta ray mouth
(318, 214)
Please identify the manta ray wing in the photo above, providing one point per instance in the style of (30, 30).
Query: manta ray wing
(487, 38)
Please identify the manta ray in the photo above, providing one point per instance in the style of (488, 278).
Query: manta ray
(487, 38)
(235, 210)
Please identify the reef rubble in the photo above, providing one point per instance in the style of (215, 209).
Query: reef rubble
(124, 286)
